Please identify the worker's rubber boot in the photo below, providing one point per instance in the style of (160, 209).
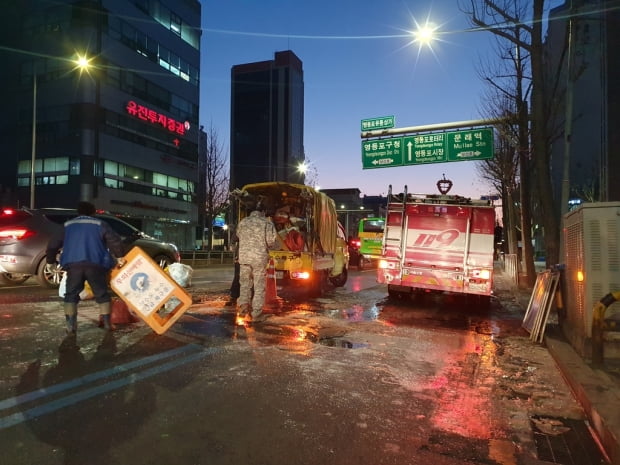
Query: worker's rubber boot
(105, 309)
(71, 317)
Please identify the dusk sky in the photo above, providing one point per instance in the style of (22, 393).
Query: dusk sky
(358, 63)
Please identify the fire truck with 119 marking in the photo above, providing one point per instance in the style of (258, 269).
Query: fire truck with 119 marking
(437, 243)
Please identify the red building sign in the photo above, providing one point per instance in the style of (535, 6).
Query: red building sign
(146, 114)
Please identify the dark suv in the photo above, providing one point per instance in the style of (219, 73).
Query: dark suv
(25, 233)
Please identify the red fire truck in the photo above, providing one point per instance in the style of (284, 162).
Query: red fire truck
(437, 243)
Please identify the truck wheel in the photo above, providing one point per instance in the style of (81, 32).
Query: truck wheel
(341, 279)
(318, 284)
(395, 295)
(479, 302)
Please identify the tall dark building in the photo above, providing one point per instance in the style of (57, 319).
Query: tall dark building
(267, 121)
(122, 133)
(595, 141)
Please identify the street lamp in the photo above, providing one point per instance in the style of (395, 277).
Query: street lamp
(33, 153)
(82, 63)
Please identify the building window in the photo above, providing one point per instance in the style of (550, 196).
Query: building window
(160, 179)
(56, 164)
(132, 172)
(175, 24)
(74, 167)
(152, 183)
(110, 167)
(150, 48)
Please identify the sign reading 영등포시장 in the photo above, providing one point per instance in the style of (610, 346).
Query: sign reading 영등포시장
(419, 149)
(383, 122)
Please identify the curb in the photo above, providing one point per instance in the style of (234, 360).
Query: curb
(595, 391)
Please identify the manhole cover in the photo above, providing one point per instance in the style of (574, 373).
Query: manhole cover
(345, 344)
(565, 441)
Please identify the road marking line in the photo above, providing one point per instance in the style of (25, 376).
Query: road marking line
(86, 379)
(30, 414)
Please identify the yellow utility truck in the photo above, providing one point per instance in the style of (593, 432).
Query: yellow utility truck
(311, 250)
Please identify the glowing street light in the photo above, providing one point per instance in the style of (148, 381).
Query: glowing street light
(83, 64)
(302, 167)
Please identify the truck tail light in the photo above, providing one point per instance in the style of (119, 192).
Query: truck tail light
(481, 274)
(300, 275)
(388, 264)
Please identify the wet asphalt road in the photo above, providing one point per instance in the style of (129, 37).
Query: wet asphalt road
(350, 378)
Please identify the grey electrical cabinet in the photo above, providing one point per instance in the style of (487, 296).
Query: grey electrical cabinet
(591, 236)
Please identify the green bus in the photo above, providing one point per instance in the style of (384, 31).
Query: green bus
(370, 234)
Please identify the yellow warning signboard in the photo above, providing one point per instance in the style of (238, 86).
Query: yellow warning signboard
(149, 291)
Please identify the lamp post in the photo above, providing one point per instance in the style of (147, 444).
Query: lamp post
(82, 63)
(33, 154)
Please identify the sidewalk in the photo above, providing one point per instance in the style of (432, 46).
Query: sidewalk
(597, 390)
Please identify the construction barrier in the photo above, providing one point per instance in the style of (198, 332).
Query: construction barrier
(120, 313)
(271, 292)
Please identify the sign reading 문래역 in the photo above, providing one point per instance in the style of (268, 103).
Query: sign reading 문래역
(427, 148)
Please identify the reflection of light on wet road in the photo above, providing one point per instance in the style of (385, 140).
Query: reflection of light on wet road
(360, 280)
(462, 387)
(299, 334)
(355, 286)
(355, 313)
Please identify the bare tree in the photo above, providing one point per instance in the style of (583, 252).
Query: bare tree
(505, 19)
(501, 170)
(311, 174)
(214, 180)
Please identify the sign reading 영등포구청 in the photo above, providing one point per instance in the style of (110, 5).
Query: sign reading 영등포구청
(419, 149)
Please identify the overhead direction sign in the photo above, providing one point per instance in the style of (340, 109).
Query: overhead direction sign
(421, 149)
(383, 122)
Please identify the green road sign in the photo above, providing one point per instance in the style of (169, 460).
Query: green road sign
(383, 122)
(470, 145)
(439, 147)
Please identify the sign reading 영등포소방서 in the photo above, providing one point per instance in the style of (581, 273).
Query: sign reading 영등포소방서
(438, 147)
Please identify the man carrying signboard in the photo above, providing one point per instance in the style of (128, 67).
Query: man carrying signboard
(88, 248)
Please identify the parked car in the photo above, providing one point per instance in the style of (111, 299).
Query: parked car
(25, 233)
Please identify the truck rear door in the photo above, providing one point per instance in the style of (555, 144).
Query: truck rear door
(436, 245)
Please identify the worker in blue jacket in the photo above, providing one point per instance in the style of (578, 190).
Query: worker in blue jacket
(89, 248)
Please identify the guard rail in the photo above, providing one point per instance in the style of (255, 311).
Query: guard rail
(203, 258)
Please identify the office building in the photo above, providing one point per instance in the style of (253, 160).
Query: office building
(267, 121)
(121, 132)
(594, 158)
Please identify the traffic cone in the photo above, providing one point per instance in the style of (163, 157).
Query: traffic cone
(271, 293)
(120, 313)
